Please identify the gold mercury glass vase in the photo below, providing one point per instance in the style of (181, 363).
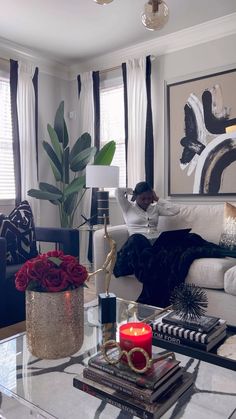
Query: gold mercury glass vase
(55, 323)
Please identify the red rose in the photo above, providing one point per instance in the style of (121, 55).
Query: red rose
(44, 274)
(54, 281)
(22, 279)
(76, 272)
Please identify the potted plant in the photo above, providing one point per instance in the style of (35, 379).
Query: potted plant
(68, 167)
(53, 283)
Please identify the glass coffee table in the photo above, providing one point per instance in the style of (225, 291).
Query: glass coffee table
(44, 388)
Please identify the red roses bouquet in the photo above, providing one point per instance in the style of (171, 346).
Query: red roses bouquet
(51, 272)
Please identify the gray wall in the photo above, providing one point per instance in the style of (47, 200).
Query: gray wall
(192, 62)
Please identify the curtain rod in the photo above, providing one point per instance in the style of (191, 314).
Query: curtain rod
(106, 70)
(4, 59)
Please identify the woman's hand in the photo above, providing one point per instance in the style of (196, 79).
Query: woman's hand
(155, 197)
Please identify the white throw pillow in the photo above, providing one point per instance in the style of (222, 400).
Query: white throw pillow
(228, 236)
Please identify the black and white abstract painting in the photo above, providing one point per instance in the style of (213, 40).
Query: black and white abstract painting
(202, 135)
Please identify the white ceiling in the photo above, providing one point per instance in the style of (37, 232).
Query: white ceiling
(72, 31)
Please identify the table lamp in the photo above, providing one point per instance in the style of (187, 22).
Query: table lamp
(102, 177)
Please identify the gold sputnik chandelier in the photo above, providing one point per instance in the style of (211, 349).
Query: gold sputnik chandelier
(155, 15)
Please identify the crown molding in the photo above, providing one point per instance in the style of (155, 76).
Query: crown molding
(186, 38)
(10, 50)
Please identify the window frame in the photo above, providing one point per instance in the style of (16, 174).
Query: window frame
(111, 81)
(5, 76)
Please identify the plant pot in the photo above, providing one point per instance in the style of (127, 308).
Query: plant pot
(55, 323)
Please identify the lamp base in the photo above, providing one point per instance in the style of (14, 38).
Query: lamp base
(103, 207)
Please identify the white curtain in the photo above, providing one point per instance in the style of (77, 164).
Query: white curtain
(137, 112)
(86, 124)
(27, 135)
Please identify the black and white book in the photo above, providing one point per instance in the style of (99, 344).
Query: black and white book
(136, 407)
(188, 342)
(205, 324)
(159, 325)
(128, 388)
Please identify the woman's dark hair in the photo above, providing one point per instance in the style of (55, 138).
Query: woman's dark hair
(140, 188)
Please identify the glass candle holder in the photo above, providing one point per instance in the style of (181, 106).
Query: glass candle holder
(136, 335)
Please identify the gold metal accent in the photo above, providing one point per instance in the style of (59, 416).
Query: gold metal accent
(110, 344)
(110, 261)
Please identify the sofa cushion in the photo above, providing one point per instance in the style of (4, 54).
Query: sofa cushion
(19, 231)
(209, 272)
(228, 236)
(230, 281)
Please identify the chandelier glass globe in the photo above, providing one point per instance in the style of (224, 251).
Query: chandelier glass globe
(156, 15)
(103, 2)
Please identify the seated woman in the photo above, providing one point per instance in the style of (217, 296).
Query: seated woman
(141, 214)
(160, 261)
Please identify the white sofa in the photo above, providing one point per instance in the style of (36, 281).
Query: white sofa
(216, 276)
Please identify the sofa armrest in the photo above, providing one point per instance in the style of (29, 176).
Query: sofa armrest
(3, 251)
(101, 248)
(68, 238)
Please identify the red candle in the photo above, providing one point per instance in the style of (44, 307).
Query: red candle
(136, 335)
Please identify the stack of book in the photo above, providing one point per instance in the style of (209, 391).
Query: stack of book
(147, 395)
(202, 334)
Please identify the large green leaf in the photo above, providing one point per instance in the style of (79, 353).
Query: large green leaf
(60, 125)
(82, 159)
(106, 154)
(43, 186)
(49, 196)
(70, 203)
(66, 166)
(54, 162)
(75, 186)
(81, 144)
(55, 142)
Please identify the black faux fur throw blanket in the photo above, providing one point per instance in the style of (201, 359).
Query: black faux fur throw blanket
(165, 264)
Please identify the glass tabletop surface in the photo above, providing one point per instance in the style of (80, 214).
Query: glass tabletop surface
(46, 386)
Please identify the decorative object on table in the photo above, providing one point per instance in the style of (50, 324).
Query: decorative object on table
(164, 366)
(204, 324)
(107, 301)
(64, 161)
(228, 235)
(102, 177)
(136, 391)
(107, 308)
(136, 335)
(189, 302)
(113, 354)
(175, 333)
(136, 406)
(228, 348)
(53, 283)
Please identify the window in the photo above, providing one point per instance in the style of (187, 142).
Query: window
(7, 177)
(112, 125)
